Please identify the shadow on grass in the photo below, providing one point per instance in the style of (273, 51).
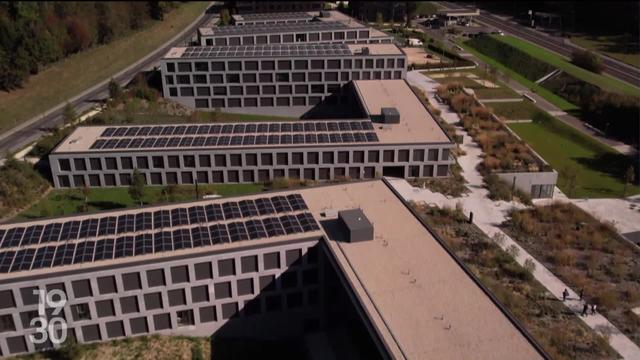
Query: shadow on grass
(106, 205)
(612, 164)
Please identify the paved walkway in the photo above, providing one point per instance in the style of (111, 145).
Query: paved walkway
(488, 215)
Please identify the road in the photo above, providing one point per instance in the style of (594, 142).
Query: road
(34, 128)
(613, 67)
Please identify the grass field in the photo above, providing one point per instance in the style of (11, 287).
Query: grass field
(611, 45)
(605, 82)
(63, 80)
(521, 110)
(71, 201)
(482, 92)
(546, 94)
(600, 169)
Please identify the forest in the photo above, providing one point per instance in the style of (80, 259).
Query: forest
(34, 34)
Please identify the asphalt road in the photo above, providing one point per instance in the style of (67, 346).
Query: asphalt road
(14, 140)
(612, 67)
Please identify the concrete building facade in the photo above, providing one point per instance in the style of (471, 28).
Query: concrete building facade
(259, 78)
(410, 145)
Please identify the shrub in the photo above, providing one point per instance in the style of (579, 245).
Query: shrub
(529, 265)
(498, 189)
(586, 59)
(280, 183)
(563, 258)
(513, 251)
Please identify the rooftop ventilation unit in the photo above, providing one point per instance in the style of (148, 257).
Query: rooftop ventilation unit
(390, 115)
(356, 224)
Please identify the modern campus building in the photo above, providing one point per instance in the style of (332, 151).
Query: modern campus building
(263, 78)
(396, 136)
(256, 267)
(252, 7)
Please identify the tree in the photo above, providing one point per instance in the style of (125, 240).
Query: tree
(410, 8)
(115, 90)
(225, 18)
(69, 114)
(341, 7)
(629, 178)
(156, 11)
(588, 60)
(379, 19)
(137, 187)
(570, 175)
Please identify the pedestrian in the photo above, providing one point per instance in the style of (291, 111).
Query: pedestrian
(584, 309)
(594, 309)
(581, 293)
(565, 294)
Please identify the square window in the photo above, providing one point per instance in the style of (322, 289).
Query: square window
(249, 264)
(222, 290)
(155, 278)
(105, 308)
(245, 286)
(208, 314)
(129, 304)
(176, 297)
(131, 281)
(107, 285)
(179, 274)
(200, 294)
(271, 261)
(153, 301)
(162, 321)
(229, 310)
(81, 288)
(203, 271)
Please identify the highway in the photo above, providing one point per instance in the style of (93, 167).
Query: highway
(612, 67)
(34, 128)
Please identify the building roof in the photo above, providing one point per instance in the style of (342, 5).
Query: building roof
(420, 300)
(416, 123)
(273, 28)
(459, 12)
(300, 15)
(278, 50)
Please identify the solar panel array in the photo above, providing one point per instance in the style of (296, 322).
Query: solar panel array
(271, 50)
(278, 28)
(284, 133)
(147, 232)
(277, 16)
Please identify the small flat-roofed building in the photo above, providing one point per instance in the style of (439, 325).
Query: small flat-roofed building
(448, 17)
(260, 79)
(252, 7)
(272, 18)
(316, 150)
(255, 266)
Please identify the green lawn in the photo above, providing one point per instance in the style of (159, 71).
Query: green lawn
(599, 168)
(521, 110)
(63, 80)
(611, 45)
(546, 94)
(605, 82)
(70, 201)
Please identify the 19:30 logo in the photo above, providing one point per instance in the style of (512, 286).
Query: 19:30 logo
(46, 328)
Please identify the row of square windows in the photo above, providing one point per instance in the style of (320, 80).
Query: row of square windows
(270, 65)
(249, 159)
(269, 101)
(301, 77)
(178, 275)
(185, 317)
(248, 176)
(309, 36)
(266, 284)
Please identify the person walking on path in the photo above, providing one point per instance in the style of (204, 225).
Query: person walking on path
(594, 309)
(581, 293)
(565, 294)
(584, 309)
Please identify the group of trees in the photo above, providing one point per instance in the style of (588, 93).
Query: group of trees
(34, 34)
(587, 60)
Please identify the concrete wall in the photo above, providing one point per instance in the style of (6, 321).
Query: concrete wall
(238, 166)
(268, 305)
(525, 181)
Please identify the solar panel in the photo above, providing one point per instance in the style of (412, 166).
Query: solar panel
(255, 229)
(231, 210)
(143, 244)
(179, 130)
(23, 260)
(211, 141)
(371, 137)
(215, 129)
(248, 208)
(124, 247)
(2, 232)
(191, 130)
(297, 202)
(237, 231)
(32, 235)
(198, 141)
(144, 221)
(88, 228)
(51, 232)
(162, 241)
(144, 131)
(98, 144)
(179, 217)
(281, 204)
(64, 254)
(132, 131)
(273, 226)
(107, 225)
(261, 140)
(70, 230)
(43, 257)
(197, 215)
(214, 212)
(13, 237)
(156, 130)
(203, 129)
(290, 224)
(236, 140)
(108, 132)
(248, 140)
(286, 139)
(307, 222)
(104, 249)
(219, 233)
(84, 252)
(120, 131)
(181, 239)
(6, 258)
(126, 223)
(161, 219)
(200, 236)
(285, 127)
(321, 126)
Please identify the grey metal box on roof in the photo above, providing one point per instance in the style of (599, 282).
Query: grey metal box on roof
(390, 115)
(357, 225)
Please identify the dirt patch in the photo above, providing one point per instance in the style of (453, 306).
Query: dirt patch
(418, 56)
